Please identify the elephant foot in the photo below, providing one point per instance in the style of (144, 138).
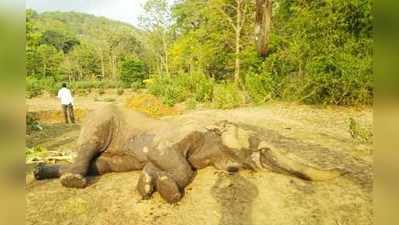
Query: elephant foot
(73, 180)
(168, 189)
(145, 186)
(43, 171)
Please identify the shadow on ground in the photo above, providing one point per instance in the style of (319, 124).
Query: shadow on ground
(235, 196)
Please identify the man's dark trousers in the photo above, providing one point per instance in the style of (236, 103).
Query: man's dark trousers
(68, 113)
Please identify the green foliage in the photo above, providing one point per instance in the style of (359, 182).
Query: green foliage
(59, 39)
(136, 85)
(70, 46)
(32, 123)
(260, 87)
(36, 154)
(358, 132)
(120, 91)
(33, 87)
(95, 84)
(226, 96)
(132, 71)
(322, 52)
(191, 103)
(177, 88)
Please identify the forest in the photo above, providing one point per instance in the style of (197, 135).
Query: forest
(208, 51)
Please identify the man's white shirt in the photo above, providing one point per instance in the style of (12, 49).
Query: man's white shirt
(64, 94)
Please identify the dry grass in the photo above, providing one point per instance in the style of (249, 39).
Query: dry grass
(52, 116)
(150, 105)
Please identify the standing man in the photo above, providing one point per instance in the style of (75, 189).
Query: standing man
(65, 96)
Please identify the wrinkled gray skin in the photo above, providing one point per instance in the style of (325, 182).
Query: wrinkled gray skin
(167, 153)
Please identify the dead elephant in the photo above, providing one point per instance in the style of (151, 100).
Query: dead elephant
(169, 153)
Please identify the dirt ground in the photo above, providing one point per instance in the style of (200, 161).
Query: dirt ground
(215, 198)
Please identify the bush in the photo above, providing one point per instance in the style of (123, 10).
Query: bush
(33, 87)
(178, 88)
(330, 60)
(107, 84)
(226, 96)
(132, 71)
(136, 86)
(203, 88)
(191, 103)
(120, 91)
(32, 123)
(358, 132)
(260, 88)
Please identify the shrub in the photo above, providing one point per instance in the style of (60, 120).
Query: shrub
(33, 87)
(226, 96)
(32, 123)
(136, 85)
(359, 133)
(203, 88)
(120, 91)
(178, 88)
(330, 60)
(259, 87)
(110, 84)
(132, 71)
(191, 103)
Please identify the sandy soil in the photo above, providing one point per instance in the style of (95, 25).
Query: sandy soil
(213, 197)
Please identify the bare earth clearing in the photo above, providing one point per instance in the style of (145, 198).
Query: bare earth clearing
(213, 197)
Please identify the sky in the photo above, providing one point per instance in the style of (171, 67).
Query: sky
(123, 10)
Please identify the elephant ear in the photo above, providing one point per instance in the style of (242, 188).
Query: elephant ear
(238, 139)
(237, 142)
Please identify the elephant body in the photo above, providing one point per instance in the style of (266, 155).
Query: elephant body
(169, 153)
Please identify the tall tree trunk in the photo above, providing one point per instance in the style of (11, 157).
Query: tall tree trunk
(237, 29)
(44, 69)
(112, 66)
(165, 47)
(263, 21)
(237, 59)
(102, 65)
(161, 65)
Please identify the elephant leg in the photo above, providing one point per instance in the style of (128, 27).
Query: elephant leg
(47, 171)
(169, 159)
(147, 181)
(79, 167)
(99, 166)
(74, 174)
(168, 189)
(153, 179)
(111, 162)
(95, 137)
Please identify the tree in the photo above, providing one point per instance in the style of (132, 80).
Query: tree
(237, 22)
(156, 21)
(263, 20)
(49, 60)
(132, 71)
(59, 40)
